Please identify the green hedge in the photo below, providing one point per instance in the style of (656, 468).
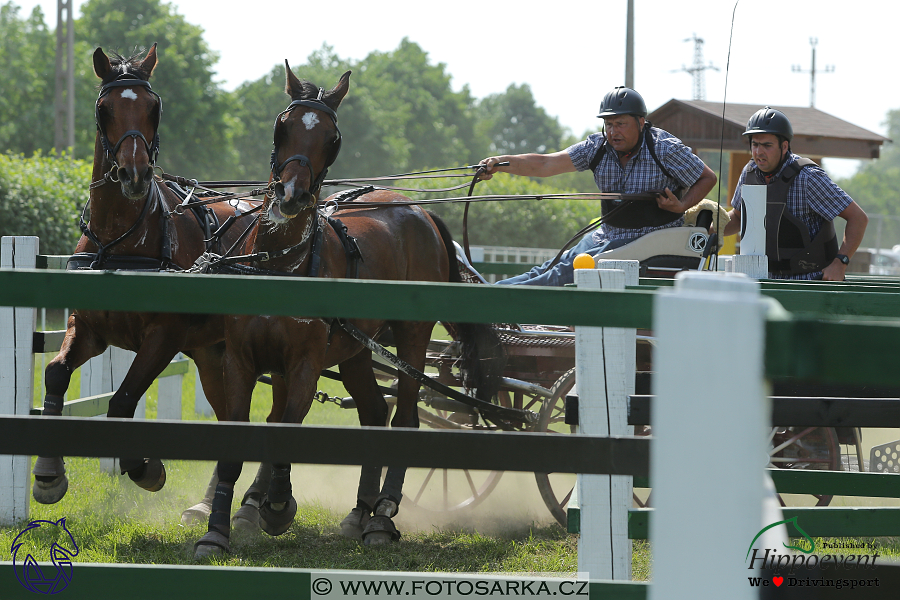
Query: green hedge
(42, 196)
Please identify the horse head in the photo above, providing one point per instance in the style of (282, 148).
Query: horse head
(306, 142)
(128, 110)
(36, 543)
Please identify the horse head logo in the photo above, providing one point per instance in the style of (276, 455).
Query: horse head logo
(35, 548)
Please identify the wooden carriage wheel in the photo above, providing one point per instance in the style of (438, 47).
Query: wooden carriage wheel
(556, 488)
(808, 448)
(450, 490)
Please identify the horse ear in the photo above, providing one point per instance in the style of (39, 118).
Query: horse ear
(149, 62)
(336, 95)
(292, 85)
(101, 63)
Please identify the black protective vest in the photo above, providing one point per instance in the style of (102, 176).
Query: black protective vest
(788, 244)
(634, 214)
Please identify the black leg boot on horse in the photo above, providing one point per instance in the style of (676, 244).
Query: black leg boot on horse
(146, 473)
(279, 507)
(216, 540)
(381, 529)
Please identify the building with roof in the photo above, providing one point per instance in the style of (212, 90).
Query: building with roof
(817, 135)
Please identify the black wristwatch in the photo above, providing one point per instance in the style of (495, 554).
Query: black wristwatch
(843, 258)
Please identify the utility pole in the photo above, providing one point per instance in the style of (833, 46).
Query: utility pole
(812, 72)
(629, 46)
(64, 121)
(698, 68)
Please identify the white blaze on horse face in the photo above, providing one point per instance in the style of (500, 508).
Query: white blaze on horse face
(129, 93)
(310, 119)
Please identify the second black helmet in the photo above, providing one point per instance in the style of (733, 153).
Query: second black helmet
(769, 120)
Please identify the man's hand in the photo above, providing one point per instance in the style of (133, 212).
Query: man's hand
(835, 271)
(490, 167)
(669, 202)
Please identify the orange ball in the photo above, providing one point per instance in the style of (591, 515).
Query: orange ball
(584, 261)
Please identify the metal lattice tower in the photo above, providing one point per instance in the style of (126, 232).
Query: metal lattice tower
(812, 72)
(698, 69)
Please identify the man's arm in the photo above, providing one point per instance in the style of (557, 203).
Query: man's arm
(694, 194)
(734, 225)
(857, 220)
(530, 165)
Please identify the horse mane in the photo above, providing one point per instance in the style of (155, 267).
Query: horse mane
(133, 65)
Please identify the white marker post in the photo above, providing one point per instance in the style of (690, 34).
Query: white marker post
(695, 538)
(752, 261)
(605, 366)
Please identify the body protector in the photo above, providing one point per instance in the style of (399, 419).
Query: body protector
(788, 244)
(635, 214)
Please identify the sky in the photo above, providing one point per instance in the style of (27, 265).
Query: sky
(571, 52)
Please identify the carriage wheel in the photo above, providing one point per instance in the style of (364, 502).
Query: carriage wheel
(450, 490)
(556, 488)
(809, 448)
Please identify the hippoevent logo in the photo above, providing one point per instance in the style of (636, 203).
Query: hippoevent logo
(42, 556)
(786, 564)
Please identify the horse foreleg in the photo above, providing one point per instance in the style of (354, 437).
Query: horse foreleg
(215, 541)
(79, 345)
(412, 341)
(156, 351)
(359, 381)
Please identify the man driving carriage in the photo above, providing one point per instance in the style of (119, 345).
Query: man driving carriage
(802, 203)
(630, 156)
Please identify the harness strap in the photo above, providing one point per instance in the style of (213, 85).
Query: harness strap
(101, 249)
(485, 408)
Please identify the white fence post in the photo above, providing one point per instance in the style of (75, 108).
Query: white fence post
(696, 383)
(16, 378)
(168, 403)
(201, 404)
(605, 366)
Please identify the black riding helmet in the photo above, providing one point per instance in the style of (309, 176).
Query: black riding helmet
(769, 120)
(622, 101)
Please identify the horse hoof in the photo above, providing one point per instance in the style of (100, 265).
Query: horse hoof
(49, 492)
(211, 544)
(276, 522)
(380, 530)
(353, 524)
(246, 519)
(154, 477)
(195, 515)
(49, 466)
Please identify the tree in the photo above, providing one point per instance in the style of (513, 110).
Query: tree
(194, 129)
(27, 50)
(876, 188)
(516, 125)
(43, 196)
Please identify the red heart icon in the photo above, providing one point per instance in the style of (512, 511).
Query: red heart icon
(778, 581)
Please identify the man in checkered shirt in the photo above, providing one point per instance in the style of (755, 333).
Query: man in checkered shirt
(805, 246)
(634, 158)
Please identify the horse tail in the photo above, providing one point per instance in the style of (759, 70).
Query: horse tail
(482, 357)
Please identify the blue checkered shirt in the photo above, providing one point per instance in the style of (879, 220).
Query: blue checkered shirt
(640, 173)
(813, 198)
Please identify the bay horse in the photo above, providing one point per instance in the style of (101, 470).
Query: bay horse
(393, 243)
(134, 226)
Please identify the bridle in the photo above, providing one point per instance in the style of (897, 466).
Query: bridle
(278, 168)
(127, 80)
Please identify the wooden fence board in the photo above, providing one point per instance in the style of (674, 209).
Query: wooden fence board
(451, 449)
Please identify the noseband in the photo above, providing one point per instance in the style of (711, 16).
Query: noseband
(278, 168)
(126, 80)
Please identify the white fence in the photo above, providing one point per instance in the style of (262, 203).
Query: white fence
(100, 377)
